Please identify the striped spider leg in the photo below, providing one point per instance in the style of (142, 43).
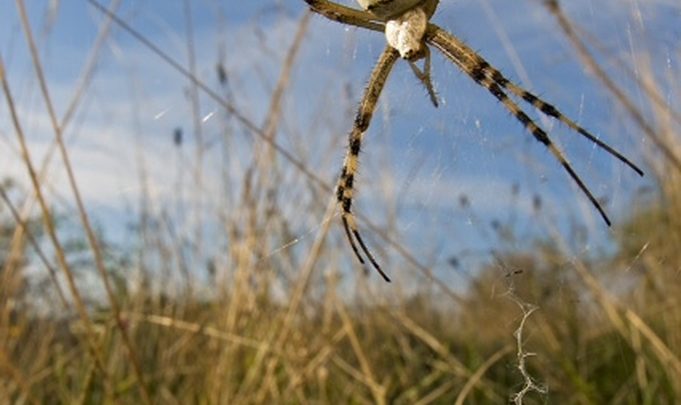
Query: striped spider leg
(494, 81)
(408, 33)
(345, 187)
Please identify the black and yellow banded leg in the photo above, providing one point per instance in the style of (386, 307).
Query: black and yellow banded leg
(346, 182)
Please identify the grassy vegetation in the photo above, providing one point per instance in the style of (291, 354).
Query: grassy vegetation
(82, 321)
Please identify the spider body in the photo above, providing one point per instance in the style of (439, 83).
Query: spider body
(405, 24)
(390, 9)
(409, 34)
(405, 33)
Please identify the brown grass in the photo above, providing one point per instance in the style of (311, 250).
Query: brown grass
(270, 320)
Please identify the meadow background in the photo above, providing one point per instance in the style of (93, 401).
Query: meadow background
(168, 231)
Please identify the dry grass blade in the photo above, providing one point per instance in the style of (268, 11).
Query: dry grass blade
(89, 232)
(456, 366)
(85, 78)
(254, 130)
(48, 221)
(585, 56)
(36, 246)
(378, 390)
(14, 373)
(200, 329)
(622, 318)
(480, 372)
(254, 298)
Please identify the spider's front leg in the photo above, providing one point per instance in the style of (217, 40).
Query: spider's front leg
(345, 15)
(346, 182)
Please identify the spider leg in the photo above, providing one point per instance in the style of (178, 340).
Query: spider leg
(479, 76)
(553, 112)
(541, 136)
(346, 15)
(345, 188)
(466, 56)
(424, 75)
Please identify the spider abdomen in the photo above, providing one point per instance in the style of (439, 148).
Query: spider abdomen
(405, 33)
(406, 23)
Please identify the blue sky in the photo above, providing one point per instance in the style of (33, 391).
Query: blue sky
(423, 159)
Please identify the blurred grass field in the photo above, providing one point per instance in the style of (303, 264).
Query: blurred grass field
(283, 317)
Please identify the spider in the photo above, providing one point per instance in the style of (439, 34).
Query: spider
(409, 33)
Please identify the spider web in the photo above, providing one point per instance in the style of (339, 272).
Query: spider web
(463, 172)
(443, 181)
